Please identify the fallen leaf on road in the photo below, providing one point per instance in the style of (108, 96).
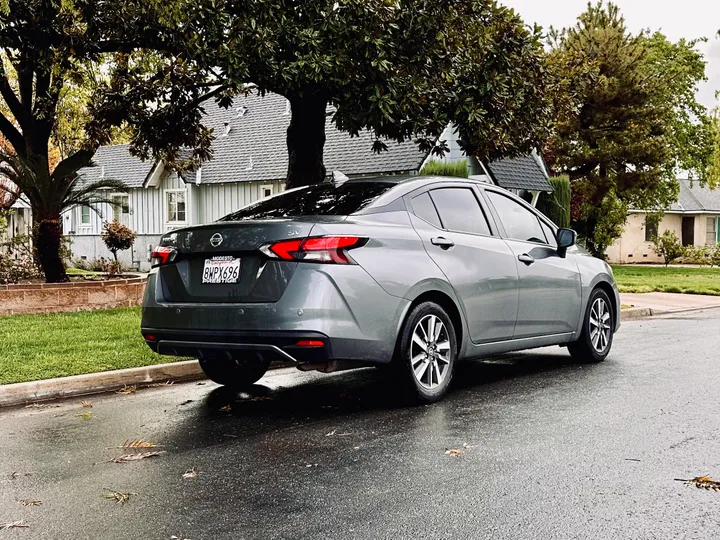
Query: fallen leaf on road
(226, 408)
(166, 383)
(128, 389)
(136, 457)
(701, 482)
(118, 496)
(36, 406)
(85, 415)
(137, 444)
(30, 502)
(331, 433)
(186, 402)
(467, 446)
(87, 404)
(192, 473)
(13, 525)
(454, 452)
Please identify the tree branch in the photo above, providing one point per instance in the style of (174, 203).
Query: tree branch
(17, 109)
(582, 171)
(12, 134)
(70, 165)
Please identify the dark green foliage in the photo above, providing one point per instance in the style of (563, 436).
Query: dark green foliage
(627, 118)
(457, 169)
(556, 205)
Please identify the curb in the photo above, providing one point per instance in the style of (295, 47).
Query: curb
(635, 314)
(95, 383)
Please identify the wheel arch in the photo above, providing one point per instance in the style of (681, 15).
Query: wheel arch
(448, 304)
(607, 288)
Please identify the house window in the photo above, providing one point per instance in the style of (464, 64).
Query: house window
(85, 216)
(175, 206)
(712, 236)
(266, 191)
(121, 208)
(651, 228)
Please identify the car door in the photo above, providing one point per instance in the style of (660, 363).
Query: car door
(550, 286)
(479, 266)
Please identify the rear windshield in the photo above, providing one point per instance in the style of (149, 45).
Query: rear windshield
(317, 200)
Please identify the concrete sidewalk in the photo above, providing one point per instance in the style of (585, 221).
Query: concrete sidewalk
(669, 302)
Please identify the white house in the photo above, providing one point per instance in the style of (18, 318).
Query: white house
(694, 218)
(249, 163)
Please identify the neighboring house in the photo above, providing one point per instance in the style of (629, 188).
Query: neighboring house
(249, 163)
(694, 218)
(19, 222)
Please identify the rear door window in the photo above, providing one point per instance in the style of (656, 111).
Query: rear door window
(519, 222)
(424, 208)
(460, 210)
(317, 200)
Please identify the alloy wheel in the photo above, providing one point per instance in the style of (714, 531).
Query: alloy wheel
(600, 328)
(430, 352)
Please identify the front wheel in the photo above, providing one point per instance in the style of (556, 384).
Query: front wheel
(425, 359)
(598, 327)
(235, 373)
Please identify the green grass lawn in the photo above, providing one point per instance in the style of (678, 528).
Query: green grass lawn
(673, 279)
(34, 347)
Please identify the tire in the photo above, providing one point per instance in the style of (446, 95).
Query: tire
(236, 373)
(424, 366)
(591, 347)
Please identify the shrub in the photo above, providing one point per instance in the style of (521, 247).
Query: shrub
(458, 169)
(117, 237)
(556, 205)
(715, 256)
(106, 266)
(669, 247)
(17, 270)
(698, 255)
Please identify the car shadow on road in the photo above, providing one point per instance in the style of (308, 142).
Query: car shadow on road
(354, 398)
(373, 389)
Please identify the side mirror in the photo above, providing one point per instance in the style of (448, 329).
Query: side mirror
(566, 238)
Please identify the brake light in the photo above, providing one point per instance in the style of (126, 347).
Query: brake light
(162, 255)
(322, 249)
(310, 343)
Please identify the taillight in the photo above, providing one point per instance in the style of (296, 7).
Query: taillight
(323, 249)
(162, 255)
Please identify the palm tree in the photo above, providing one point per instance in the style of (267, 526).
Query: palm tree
(49, 197)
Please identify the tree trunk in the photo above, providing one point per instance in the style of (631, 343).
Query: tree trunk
(49, 238)
(306, 141)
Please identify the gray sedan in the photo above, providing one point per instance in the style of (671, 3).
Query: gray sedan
(409, 274)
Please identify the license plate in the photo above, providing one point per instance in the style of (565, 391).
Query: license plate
(221, 270)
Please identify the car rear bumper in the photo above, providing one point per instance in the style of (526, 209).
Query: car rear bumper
(292, 347)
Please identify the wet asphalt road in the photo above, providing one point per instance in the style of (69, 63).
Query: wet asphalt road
(550, 450)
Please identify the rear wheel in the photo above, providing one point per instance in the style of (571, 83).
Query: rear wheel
(597, 331)
(235, 373)
(425, 359)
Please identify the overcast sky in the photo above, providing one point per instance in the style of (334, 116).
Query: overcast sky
(677, 19)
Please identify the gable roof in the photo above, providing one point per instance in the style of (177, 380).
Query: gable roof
(696, 198)
(255, 149)
(118, 164)
(523, 172)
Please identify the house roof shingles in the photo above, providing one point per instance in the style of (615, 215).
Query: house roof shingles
(696, 198)
(520, 173)
(119, 165)
(255, 149)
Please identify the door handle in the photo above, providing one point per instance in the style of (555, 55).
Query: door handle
(444, 243)
(527, 259)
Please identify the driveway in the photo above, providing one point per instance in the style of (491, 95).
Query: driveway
(541, 448)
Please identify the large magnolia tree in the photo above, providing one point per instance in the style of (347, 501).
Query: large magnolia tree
(404, 69)
(628, 121)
